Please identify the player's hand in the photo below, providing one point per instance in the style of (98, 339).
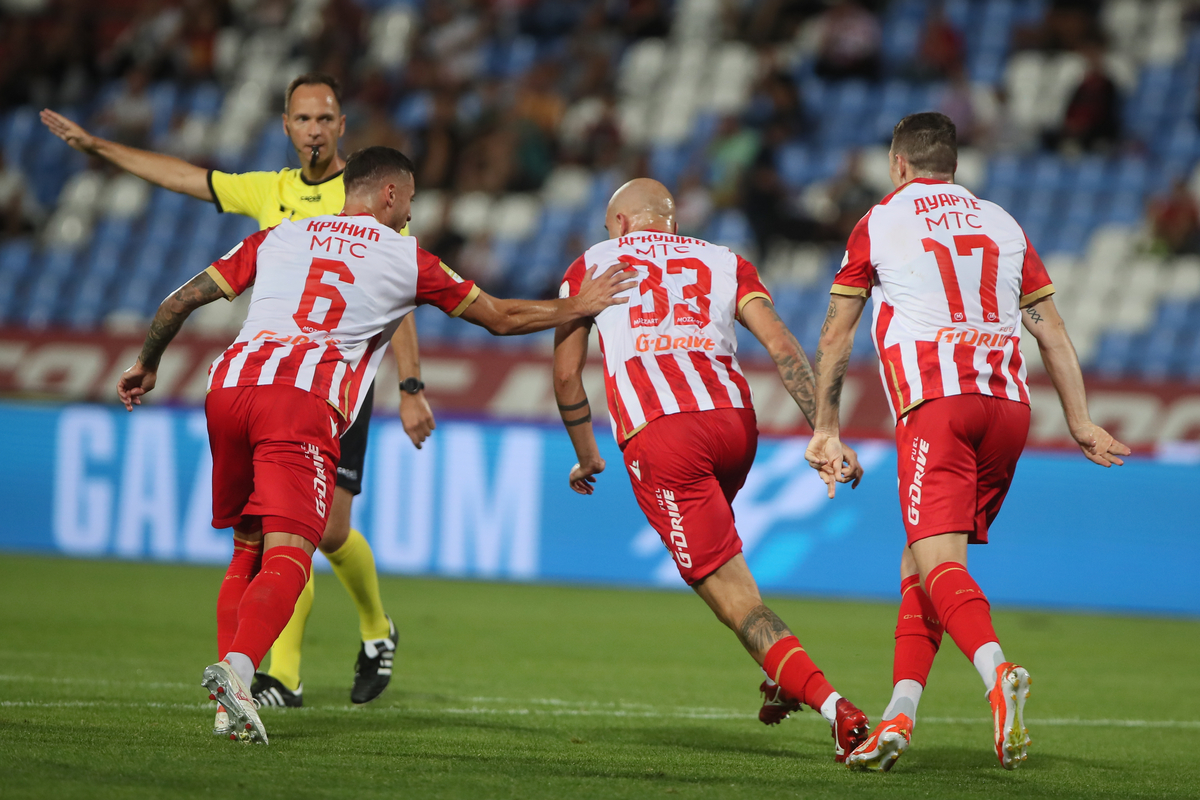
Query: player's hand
(598, 292)
(852, 471)
(827, 456)
(135, 382)
(417, 417)
(70, 132)
(1099, 446)
(583, 478)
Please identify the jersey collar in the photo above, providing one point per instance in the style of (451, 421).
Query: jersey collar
(902, 187)
(307, 182)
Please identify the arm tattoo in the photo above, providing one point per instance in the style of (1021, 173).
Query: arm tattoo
(761, 629)
(172, 312)
(796, 373)
(839, 377)
(830, 315)
(575, 407)
(1034, 315)
(579, 421)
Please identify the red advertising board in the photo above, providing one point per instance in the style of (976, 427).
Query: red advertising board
(515, 385)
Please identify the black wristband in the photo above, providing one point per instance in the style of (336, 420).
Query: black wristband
(411, 385)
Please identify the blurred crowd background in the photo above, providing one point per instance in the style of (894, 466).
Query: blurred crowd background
(770, 119)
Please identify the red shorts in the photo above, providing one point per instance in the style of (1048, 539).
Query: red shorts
(957, 457)
(686, 469)
(275, 452)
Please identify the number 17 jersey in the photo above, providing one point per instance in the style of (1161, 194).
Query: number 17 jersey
(950, 273)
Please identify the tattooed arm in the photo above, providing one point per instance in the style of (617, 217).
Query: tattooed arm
(140, 378)
(826, 452)
(570, 356)
(760, 317)
(1042, 320)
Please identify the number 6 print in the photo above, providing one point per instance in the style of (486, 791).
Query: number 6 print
(315, 287)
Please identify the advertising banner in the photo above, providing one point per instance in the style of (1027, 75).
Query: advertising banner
(491, 501)
(498, 382)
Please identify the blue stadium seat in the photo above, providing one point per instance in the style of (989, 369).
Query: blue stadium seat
(1126, 208)
(795, 165)
(46, 291)
(204, 100)
(667, 163)
(1090, 174)
(1158, 359)
(15, 257)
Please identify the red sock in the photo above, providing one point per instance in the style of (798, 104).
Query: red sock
(247, 558)
(961, 606)
(269, 601)
(788, 665)
(918, 633)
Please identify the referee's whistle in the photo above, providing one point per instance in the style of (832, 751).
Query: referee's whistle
(316, 151)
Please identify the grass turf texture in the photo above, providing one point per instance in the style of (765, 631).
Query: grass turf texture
(543, 692)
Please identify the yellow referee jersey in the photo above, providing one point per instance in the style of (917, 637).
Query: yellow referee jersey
(272, 197)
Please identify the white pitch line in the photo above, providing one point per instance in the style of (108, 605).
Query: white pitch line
(100, 682)
(713, 714)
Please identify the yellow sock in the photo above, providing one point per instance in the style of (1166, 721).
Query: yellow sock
(285, 653)
(354, 564)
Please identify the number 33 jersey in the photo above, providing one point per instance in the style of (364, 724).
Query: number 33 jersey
(673, 348)
(950, 274)
(329, 292)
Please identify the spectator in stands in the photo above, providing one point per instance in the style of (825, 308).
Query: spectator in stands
(129, 114)
(958, 102)
(940, 54)
(1093, 118)
(852, 196)
(1175, 221)
(1068, 25)
(777, 102)
(693, 205)
(850, 42)
(732, 151)
(778, 20)
(19, 210)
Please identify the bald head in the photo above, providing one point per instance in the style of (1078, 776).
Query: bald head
(641, 204)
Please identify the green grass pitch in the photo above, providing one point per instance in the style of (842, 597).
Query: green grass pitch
(511, 691)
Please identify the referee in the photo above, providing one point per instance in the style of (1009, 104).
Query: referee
(314, 123)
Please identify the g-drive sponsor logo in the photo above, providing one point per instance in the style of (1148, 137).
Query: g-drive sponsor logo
(666, 501)
(320, 486)
(920, 450)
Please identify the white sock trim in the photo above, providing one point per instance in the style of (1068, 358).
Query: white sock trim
(906, 695)
(829, 708)
(986, 659)
(242, 665)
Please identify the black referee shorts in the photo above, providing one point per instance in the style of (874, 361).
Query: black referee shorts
(354, 447)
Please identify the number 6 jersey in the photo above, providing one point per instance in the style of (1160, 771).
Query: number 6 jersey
(673, 348)
(329, 292)
(951, 273)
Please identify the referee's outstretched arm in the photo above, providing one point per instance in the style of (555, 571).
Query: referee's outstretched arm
(162, 170)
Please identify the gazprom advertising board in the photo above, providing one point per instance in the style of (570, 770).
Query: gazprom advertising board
(489, 500)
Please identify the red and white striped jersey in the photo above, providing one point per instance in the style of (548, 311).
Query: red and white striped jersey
(329, 292)
(673, 348)
(950, 274)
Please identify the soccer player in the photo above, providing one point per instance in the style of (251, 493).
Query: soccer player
(682, 413)
(293, 380)
(953, 276)
(314, 123)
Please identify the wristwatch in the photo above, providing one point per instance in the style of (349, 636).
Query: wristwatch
(411, 385)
